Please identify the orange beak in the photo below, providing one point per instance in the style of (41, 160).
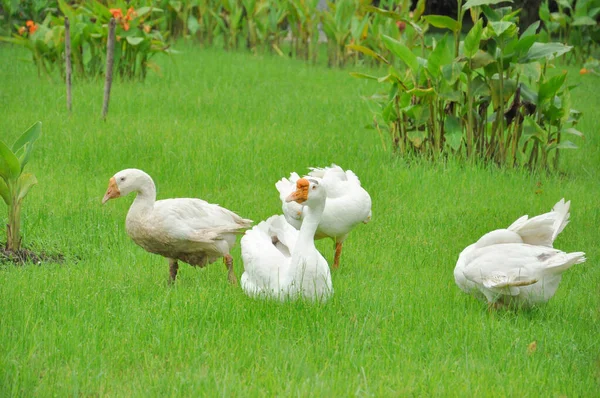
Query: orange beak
(112, 191)
(300, 195)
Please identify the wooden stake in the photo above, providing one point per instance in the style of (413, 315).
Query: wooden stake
(68, 61)
(110, 52)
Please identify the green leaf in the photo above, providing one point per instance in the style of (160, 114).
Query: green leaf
(134, 41)
(481, 59)
(24, 144)
(367, 51)
(442, 21)
(440, 55)
(24, 184)
(29, 136)
(473, 39)
(9, 164)
(363, 76)
(453, 132)
(402, 52)
(545, 50)
(193, 25)
(549, 88)
(476, 3)
(502, 26)
(5, 192)
(584, 21)
(567, 145)
(572, 131)
(451, 72)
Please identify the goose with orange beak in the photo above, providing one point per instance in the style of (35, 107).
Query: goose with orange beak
(183, 229)
(283, 263)
(348, 205)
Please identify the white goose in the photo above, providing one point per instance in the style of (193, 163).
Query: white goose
(283, 263)
(189, 230)
(348, 204)
(518, 266)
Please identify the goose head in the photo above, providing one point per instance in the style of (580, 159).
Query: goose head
(308, 191)
(125, 182)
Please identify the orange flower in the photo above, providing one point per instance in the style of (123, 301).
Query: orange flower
(583, 71)
(116, 13)
(130, 14)
(32, 26)
(22, 30)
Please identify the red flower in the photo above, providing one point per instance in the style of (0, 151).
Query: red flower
(32, 26)
(116, 13)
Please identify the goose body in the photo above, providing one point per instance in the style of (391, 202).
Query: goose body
(183, 229)
(348, 204)
(281, 262)
(518, 265)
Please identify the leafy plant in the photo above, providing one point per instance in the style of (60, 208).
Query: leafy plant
(455, 99)
(14, 183)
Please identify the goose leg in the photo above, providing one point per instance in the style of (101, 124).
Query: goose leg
(228, 260)
(173, 268)
(338, 254)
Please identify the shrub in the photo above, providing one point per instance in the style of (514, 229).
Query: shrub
(488, 96)
(14, 183)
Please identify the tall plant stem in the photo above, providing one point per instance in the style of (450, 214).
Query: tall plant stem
(457, 33)
(13, 228)
(469, 114)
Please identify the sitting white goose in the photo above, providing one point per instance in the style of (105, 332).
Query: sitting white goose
(185, 229)
(518, 266)
(348, 204)
(283, 263)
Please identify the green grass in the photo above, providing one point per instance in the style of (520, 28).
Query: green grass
(225, 127)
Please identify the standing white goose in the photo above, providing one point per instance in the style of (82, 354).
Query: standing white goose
(283, 263)
(185, 229)
(348, 204)
(518, 265)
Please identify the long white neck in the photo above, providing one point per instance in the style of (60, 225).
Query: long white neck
(306, 237)
(146, 196)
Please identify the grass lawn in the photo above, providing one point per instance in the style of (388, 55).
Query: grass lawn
(225, 127)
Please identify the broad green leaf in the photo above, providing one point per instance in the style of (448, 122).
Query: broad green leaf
(134, 41)
(528, 95)
(440, 55)
(417, 137)
(367, 51)
(442, 21)
(5, 192)
(9, 164)
(567, 145)
(531, 30)
(402, 52)
(476, 3)
(419, 9)
(24, 184)
(453, 132)
(30, 135)
(451, 72)
(473, 38)
(545, 50)
(573, 131)
(193, 24)
(502, 26)
(549, 88)
(531, 70)
(481, 59)
(363, 76)
(584, 21)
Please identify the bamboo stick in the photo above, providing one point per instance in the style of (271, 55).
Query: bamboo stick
(110, 52)
(68, 67)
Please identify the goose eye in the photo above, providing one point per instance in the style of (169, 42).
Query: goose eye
(314, 187)
(122, 179)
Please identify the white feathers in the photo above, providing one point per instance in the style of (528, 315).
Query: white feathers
(518, 265)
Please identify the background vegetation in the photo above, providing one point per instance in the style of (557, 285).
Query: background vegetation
(225, 127)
